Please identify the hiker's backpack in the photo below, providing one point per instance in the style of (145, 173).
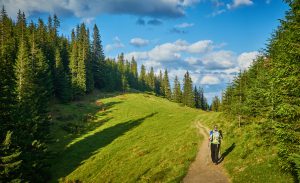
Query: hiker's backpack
(214, 137)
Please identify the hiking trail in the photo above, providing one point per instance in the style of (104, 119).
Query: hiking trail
(202, 170)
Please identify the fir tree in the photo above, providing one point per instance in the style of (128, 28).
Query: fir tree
(62, 87)
(188, 95)
(97, 58)
(142, 79)
(177, 94)
(166, 85)
(10, 162)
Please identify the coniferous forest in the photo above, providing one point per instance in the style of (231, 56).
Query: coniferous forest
(39, 65)
(268, 93)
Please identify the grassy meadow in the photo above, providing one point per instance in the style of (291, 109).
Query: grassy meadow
(139, 137)
(246, 156)
(122, 138)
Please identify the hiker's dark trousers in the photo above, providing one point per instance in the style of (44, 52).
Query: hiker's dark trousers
(215, 152)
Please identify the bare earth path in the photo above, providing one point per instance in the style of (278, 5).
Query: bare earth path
(202, 170)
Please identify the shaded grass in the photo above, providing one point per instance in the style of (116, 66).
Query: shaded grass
(247, 157)
(134, 138)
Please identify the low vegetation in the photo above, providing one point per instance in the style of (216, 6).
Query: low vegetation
(122, 138)
(247, 155)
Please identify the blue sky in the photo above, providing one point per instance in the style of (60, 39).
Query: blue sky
(212, 39)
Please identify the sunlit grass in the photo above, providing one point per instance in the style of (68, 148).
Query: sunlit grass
(123, 138)
(247, 157)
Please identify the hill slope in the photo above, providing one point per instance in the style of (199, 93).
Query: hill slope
(123, 138)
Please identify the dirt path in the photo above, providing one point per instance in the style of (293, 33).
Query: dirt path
(202, 170)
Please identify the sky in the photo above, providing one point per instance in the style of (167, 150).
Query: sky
(212, 39)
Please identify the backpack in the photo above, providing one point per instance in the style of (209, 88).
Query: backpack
(214, 137)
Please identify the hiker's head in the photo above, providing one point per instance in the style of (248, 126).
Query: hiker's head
(216, 127)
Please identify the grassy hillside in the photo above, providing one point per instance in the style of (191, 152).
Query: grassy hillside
(122, 138)
(247, 156)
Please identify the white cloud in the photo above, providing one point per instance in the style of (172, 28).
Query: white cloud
(219, 60)
(169, 52)
(238, 3)
(200, 46)
(245, 59)
(210, 80)
(184, 25)
(139, 42)
(86, 8)
(115, 45)
(192, 60)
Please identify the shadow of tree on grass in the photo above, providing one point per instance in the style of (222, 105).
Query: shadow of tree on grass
(73, 156)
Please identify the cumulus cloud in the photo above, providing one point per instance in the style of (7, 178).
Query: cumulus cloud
(139, 42)
(210, 80)
(238, 3)
(86, 8)
(115, 45)
(169, 52)
(193, 60)
(245, 59)
(219, 60)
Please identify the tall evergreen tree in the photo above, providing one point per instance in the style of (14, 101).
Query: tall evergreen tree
(161, 82)
(142, 79)
(215, 106)
(151, 79)
(188, 95)
(97, 58)
(62, 87)
(197, 97)
(166, 85)
(134, 73)
(177, 94)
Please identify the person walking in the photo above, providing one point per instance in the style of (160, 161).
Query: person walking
(215, 141)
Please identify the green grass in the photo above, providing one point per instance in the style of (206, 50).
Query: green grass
(122, 138)
(247, 157)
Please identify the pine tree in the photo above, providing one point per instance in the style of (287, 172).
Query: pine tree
(215, 106)
(62, 87)
(134, 73)
(188, 95)
(177, 94)
(151, 80)
(10, 162)
(7, 76)
(142, 79)
(197, 97)
(161, 84)
(73, 65)
(98, 58)
(166, 85)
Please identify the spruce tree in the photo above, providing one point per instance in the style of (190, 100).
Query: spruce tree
(161, 83)
(10, 162)
(97, 58)
(166, 85)
(151, 80)
(134, 73)
(62, 87)
(177, 94)
(142, 78)
(197, 97)
(188, 95)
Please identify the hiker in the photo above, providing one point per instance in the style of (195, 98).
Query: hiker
(215, 140)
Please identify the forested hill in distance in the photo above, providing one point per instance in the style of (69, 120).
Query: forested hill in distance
(48, 86)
